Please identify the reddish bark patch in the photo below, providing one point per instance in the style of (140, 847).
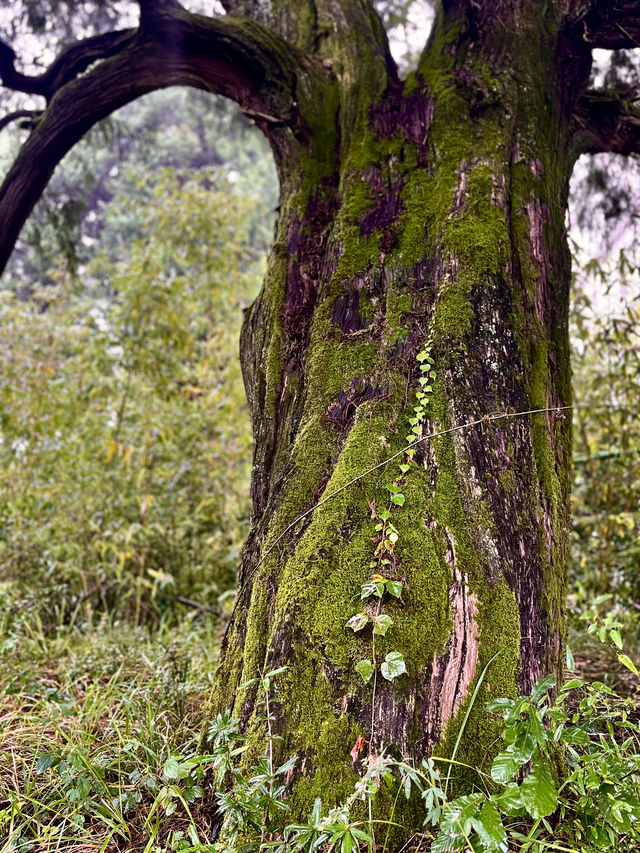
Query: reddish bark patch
(346, 314)
(301, 288)
(387, 212)
(412, 114)
(452, 673)
(310, 262)
(538, 215)
(341, 412)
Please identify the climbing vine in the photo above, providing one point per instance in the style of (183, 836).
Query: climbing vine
(386, 579)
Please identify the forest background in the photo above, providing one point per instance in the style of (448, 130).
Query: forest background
(125, 452)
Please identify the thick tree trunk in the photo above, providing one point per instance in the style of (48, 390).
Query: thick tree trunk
(434, 212)
(429, 213)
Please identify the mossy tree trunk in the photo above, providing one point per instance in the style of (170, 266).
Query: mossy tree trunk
(425, 210)
(429, 210)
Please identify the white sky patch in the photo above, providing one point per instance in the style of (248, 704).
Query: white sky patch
(407, 42)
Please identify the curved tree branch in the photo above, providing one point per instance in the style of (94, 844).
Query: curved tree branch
(608, 121)
(72, 61)
(30, 118)
(233, 57)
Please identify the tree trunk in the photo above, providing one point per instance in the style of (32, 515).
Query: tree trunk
(421, 223)
(430, 212)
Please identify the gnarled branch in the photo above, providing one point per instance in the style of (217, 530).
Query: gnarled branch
(30, 117)
(74, 60)
(608, 121)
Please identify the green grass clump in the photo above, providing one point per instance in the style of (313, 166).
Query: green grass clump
(99, 731)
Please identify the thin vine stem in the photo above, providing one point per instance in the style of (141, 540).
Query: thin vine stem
(458, 428)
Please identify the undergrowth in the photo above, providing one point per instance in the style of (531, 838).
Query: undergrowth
(96, 726)
(99, 753)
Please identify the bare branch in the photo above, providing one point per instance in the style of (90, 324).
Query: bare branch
(608, 121)
(74, 60)
(31, 117)
(612, 24)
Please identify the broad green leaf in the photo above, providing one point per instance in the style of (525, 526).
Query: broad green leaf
(358, 622)
(535, 729)
(538, 792)
(500, 704)
(44, 762)
(615, 636)
(541, 687)
(393, 666)
(523, 746)
(505, 766)
(569, 659)
(626, 661)
(174, 769)
(490, 830)
(382, 623)
(509, 801)
(365, 668)
(347, 843)
(394, 588)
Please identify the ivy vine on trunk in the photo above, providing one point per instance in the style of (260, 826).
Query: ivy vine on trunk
(425, 210)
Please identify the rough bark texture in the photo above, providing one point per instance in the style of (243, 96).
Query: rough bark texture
(432, 208)
(439, 211)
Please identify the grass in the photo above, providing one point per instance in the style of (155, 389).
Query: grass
(95, 727)
(99, 726)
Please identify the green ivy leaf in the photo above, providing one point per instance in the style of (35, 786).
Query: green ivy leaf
(365, 668)
(372, 588)
(394, 588)
(398, 499)
(393, 666)
(382, 623)
(357, 622)
(537, 792)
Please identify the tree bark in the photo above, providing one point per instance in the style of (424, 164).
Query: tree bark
(437, 214)
(429, 212)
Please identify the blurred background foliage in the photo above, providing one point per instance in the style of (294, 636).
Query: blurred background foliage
(125, 449)
(605, 333)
